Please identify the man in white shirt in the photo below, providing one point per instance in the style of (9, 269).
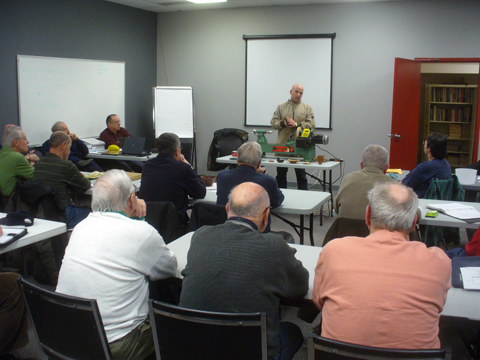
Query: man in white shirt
(108, 258)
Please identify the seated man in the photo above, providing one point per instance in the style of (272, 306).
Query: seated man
(78, 150)
(59, 173)
(383, 290)
(437, 167)
(115, 253)
(110, 136)
(13, 165)
(257, 270)
(351, 200)
(31, 155)
(169, 177)
(249, 160)
(13, 315)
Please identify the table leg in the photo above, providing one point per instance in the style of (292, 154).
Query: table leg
(302, 229)
(311, 229)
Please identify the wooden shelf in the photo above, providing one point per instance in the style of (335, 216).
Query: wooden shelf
(443, 105)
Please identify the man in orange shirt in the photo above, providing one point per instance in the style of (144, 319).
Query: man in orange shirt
(383, 290)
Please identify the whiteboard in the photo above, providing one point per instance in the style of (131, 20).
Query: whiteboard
(174, 112)
(275, 63)
(82, 93)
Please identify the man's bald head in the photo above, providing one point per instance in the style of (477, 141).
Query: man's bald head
(296, 93)
(248, 200)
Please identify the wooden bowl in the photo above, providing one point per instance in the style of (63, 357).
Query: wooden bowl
(293, 161)
(208, 180)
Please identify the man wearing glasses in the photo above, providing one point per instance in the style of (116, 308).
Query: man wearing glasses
(13, 165)
(237, 267)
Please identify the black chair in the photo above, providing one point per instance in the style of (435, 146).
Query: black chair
(204, 213)
(325, 349)
(342, 226)
(163, 216)
(223, 143)
(68, 327)
(186, 334)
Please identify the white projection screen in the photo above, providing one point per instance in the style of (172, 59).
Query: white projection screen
(275, 63)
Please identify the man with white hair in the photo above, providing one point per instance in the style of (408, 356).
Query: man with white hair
(249, 270)
(249, 160)
(109, 257)
(383, 290)
(13, 165)
(351, 200)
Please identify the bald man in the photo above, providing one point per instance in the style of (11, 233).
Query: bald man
(290, 118)
(258, 270)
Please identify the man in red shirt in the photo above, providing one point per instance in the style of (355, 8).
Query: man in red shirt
(110, 136)
(113, 131)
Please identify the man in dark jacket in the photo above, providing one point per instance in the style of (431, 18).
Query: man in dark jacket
(169, 177)
(236, 267)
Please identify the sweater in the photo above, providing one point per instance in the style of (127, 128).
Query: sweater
(235, 268)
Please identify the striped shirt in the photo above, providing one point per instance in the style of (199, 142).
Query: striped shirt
(62, 176)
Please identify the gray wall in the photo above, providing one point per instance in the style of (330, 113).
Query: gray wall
(84, 29)
(205, 49)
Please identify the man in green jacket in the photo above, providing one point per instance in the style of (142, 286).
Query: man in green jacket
(13, 165)
(291, 118)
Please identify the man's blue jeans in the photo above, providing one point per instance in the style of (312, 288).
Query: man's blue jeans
(290, 339)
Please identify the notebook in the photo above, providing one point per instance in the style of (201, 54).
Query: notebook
(133, 145)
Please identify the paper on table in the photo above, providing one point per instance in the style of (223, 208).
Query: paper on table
(457, 210)
(471, 278)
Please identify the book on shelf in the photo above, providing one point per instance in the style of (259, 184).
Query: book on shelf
(460, 211)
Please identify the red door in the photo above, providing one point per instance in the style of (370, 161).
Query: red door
(405, 114)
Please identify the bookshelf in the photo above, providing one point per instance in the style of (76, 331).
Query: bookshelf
(450, 110)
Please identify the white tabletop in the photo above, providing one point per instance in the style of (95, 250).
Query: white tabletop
(93, 181)
(120, 157)
(298, 202)
(40, 230)
(444, 220)
(474, 187)
(272, 161)
(460, 303)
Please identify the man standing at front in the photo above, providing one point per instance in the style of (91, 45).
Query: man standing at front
(291, 118)
(235, 267)
(109, 257)
(383, 290)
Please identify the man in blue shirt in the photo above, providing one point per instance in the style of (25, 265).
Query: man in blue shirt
(248, 170)
(437, 167)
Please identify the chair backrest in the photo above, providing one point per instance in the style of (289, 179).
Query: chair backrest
(186, 334)
(204, 213)
(326, 349)
(68, 327)
(346, 227)
(448, 189)
(223, 143)
(163, 216)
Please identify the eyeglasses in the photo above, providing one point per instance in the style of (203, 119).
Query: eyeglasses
(135, 189)
(267, 208)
